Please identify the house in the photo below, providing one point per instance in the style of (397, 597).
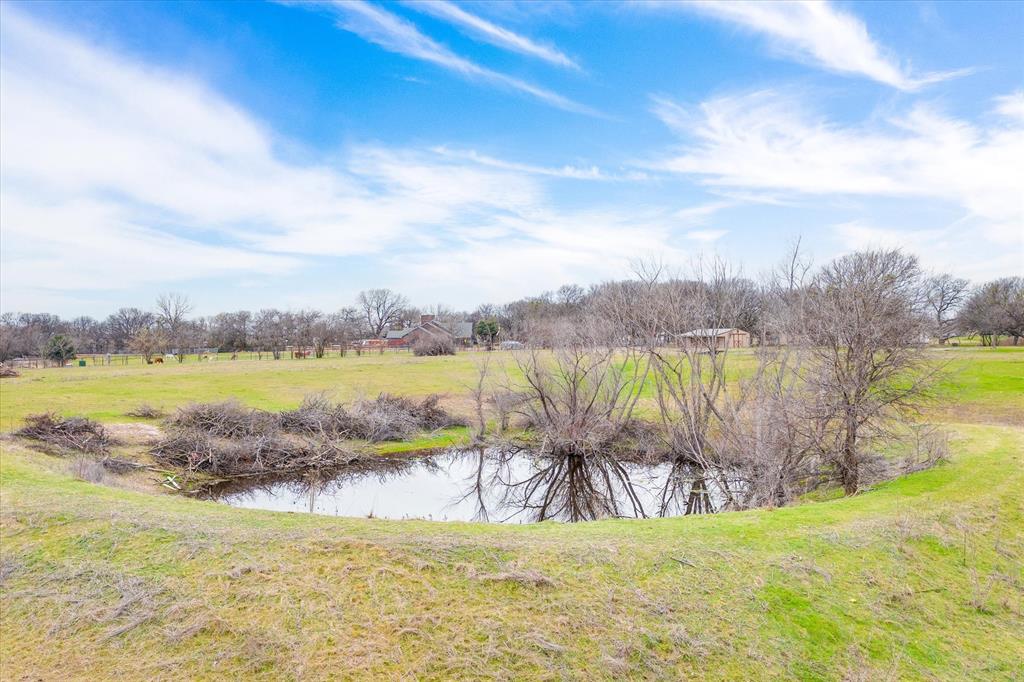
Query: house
(715, 339)
(403, 337)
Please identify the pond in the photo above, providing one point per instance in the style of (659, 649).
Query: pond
(488, 485)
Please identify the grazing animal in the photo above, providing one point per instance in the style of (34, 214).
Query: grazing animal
(158, 361)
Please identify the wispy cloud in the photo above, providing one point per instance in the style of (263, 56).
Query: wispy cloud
(492, 33)
(950, 248)
(395, 34)
(567, 171)
(121, 177)
(817, 33)
(706, 236)
(769, 141)
(697, 215)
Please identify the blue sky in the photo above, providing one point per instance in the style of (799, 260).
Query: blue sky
(291, 154)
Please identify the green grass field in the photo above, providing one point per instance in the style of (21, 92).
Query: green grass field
(919, 578)
(988, 381)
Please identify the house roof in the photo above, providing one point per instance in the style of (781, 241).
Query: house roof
(704, 333)
(460, 330)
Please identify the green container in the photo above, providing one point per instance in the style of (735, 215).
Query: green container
(81, 363)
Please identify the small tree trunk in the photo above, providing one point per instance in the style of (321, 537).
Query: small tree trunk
(850, 466)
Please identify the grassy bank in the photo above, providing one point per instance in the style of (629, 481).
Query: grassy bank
(920, 578)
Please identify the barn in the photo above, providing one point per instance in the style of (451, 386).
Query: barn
(717, 339)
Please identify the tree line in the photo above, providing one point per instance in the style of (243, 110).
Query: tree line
(952, 306)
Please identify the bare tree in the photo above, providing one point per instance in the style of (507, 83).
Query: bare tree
(8, 336)
(579, 397)
(270, 332)
(570, 296)
(863, 331)
(305, 325)
(230, 331)
(147, 342)
(944, 295)
(479, 392)
(124, 324)
(172, 311)
(996, 308)
(381, 307)
(690, 376)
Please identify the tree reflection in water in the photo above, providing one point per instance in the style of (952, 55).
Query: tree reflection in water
(490, 485)
(580, 488)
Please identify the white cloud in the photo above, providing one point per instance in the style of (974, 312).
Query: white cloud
(519, 255)
(395, 34)
(706, 236)
(1011, 106)
(697, 215)
(492, 33)
(817, 33)
(119, 176)
(83, 244)
(568, 171)
(766, 141)
(954, 248)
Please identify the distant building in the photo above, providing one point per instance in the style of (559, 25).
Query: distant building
(461, 333)
(715, 339)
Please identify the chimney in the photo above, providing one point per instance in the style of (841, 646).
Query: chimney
(426, 318)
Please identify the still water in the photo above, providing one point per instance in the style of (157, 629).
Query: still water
(485, 485)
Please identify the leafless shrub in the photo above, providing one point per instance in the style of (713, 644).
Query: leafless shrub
(145, 411)
(579, 397)
(316, 415)
(388, 417)
(433, 346)
(768, 444)
(382, 419)
(87, 469)
(914, 448)
(229, 419)
(506, 402)
(7, 372)
(227, 439)
(928, 446)
(73, 433)
(194, 450)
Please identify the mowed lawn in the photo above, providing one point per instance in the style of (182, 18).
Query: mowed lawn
(918, 578)
(989, 382)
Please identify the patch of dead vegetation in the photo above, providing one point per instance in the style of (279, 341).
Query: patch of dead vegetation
(230, 440)
(71, 434)
(528, 577)
(146, 411)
